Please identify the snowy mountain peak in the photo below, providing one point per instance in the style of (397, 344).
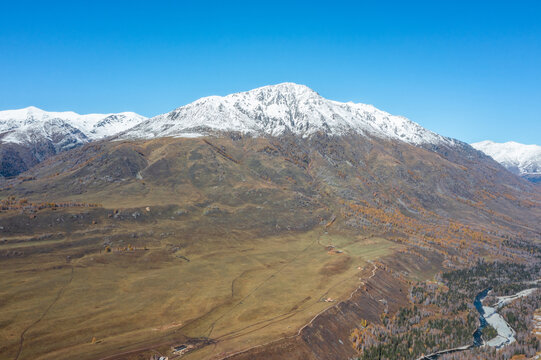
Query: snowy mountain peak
(31, 124)
(31, 109)
(284, 92)
(278, 109)
(519, 158)
(284, 88)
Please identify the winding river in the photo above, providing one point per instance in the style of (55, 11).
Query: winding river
(488, 315)
(478, 303)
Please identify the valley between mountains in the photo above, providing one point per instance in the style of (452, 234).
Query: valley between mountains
(268, 224)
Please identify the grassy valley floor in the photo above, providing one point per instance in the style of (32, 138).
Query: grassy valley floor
(236, 290)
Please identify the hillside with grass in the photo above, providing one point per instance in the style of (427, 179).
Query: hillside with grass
(222, 244)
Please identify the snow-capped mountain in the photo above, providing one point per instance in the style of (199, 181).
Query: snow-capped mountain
(63, 129)
(524, 160)
(30, 135)
(278, 109)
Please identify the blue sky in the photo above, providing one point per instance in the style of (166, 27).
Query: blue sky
(470, 70)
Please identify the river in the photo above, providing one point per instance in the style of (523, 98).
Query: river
(478, 303)
(488, 315)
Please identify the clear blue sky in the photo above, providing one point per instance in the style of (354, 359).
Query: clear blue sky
(470, 70)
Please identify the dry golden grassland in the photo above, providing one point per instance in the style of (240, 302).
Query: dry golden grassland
(237, 289)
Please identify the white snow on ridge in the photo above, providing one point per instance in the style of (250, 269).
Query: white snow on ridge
(270, 110)
(32, 124)
(278, 109)
(518, 158)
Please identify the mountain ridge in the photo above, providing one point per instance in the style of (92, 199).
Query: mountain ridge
(279, 109)
(94, 126)
(31, 135)
(523, 160)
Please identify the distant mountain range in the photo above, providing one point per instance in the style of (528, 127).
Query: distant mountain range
(32, 124)
(31, 135)
(523, 160)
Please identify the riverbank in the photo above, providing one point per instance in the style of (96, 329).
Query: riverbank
(437, 354)
(506, 334)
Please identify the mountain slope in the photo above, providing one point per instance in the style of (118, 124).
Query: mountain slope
(30, 135)
(523, 160)
(260, 230)
(285, 108)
